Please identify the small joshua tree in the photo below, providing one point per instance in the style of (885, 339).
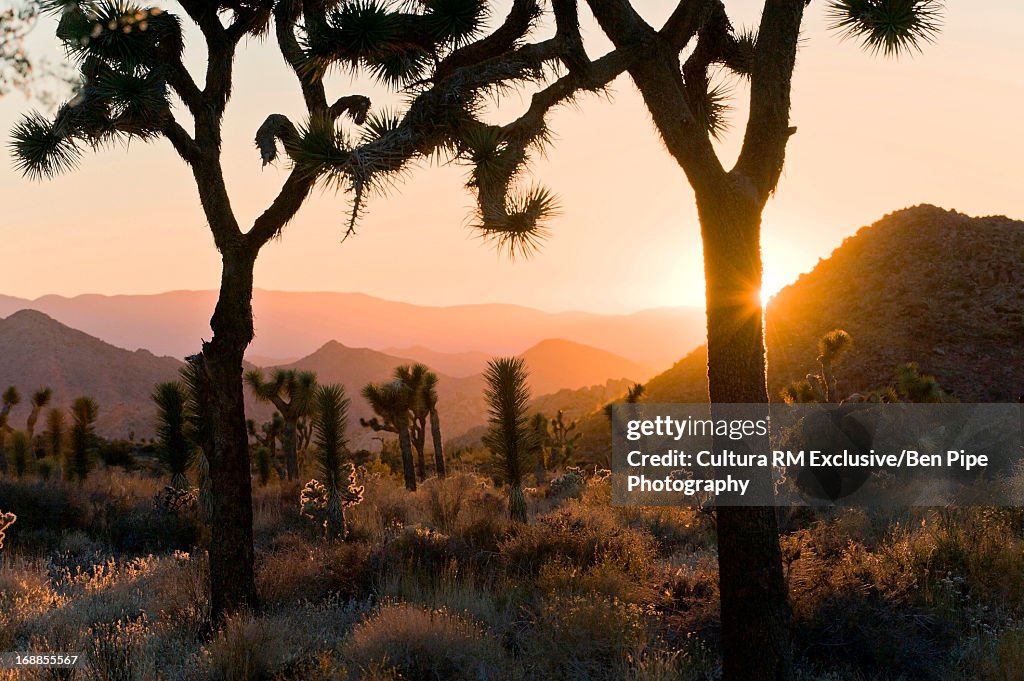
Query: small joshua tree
(510, 436)
(40, 399)
(291, 392)
(21, 452)
(338, 491)
(831, 349)
(391, 403)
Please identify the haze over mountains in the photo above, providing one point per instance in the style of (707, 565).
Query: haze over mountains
(296, 324)
(921, 285)
(39, 351)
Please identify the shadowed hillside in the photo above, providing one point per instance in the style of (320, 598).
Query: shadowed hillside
(36, 351)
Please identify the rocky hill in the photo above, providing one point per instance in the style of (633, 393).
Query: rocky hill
(37, 351)
(923, 285)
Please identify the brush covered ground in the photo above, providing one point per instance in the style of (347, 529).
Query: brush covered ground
(439, 585)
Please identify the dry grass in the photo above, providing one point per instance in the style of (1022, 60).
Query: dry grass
(439, 584)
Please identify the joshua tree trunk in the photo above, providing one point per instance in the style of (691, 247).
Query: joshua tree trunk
(288, 445)
(755, 613)
(405, 443)
(435, 435)
(419, 439)
(232, 582)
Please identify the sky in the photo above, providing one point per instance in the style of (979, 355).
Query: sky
(873, 135)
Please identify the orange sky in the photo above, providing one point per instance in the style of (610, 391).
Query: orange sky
(873, 136)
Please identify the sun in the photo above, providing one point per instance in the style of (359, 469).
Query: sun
(771, 283)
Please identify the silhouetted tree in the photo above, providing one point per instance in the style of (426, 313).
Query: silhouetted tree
(437, 54)
(391, 403)
(675, 80)
(10, 399)
(21, 452)
(55, 433)
(509, 435)
(83, 436)
(40, 400)
(291, 392)
(831, 348)
(541, 446)
(267, 436)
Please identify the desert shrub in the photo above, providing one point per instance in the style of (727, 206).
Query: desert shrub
(119, 453)
(295, 570)
(425, 645)
(568, 485)
(583, 637)
(245, 649)
(116, 651)
(583, 536)
(415, 548)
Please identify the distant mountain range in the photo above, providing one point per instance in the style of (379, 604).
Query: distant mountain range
(296, 324)
(921, 285)
(40, 351)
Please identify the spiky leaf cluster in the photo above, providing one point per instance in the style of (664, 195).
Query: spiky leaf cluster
(889, 27)
(396, 43)
(509, 435)
(121, 50)
(177, 450)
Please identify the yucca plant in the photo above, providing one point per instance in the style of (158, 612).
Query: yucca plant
(55, 433)
(84, 412)
(337, 477)
(291, 392)
(176, 448)
(509, 436)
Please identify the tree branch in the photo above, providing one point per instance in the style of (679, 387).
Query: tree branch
(656, 74)
(180, 140)
(764, 142)
(505, 38)
(284, 207)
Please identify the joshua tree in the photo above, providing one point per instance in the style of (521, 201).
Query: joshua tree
(266, 437)
(509, 435)
(422, 383)
(40, 399)
(176, 450)
(10, 399)
(131, 60)
(913, 386)
(414, 376)
(54, 434)
(831, 348)
(330, 423)
(291, 392)
(542, 452)
(429, 391)
(391, 402)
(563, 437)
(83, 436)
(687, 110)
